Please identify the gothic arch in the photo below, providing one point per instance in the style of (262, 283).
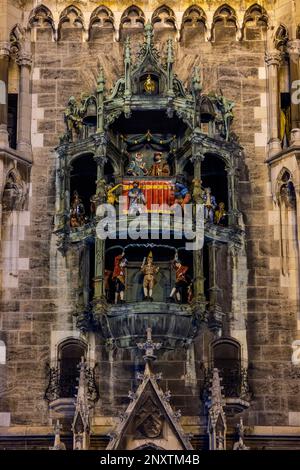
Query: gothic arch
(193, 20)
(255, 23)
(16, 39)
(132, 18)
(69, 354)
(41, 17)
(41, 24)
(71, 18)
(101, 22)
(164, 18)
(281, 36)
(224, 24)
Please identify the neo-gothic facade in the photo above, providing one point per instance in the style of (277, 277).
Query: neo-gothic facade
(150, 108)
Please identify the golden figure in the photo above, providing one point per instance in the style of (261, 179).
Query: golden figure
(112, 197)
(149, 271)
(220, 214)
(149, 85)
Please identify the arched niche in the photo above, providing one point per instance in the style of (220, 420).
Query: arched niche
(83, 178)
(224, 24)
(71, 24)
(193, 26)
(226, 357)
(163, 256)
(132, 24)
(255, 23)
(214, 176)
(41, 24)
(101, 27)
(70, 352)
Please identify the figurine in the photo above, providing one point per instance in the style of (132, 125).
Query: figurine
(77, 211)
(137, 166)
(149, 271)
(118, 277)
(182, 194)
(149, 85)
(180, 283)
(73, 118)
(209, 205)
(220, 214)
(160, 167)
(136, 199)
(112, 197)
(197, 191)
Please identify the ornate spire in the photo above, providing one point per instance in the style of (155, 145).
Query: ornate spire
(58, 445)
(216, 417)
(81, 422)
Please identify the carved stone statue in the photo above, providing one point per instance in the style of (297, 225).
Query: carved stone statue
(226, 106)
(149, 271)
(137, 166)
(15, 192)
(181, 281)
(137, 199)
(73, 119)
(159, 167)
(118, 277)
(77, 211)
(197, 193)
(209, 205)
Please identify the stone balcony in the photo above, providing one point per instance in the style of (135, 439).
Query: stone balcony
(173, 325)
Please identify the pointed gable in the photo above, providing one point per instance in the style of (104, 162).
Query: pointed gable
(149, 421)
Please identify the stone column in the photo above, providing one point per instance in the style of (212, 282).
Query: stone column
(293, 48)
(272, 59)
(24, 118)
(232, 195)
(197, 159)
(4, 58)
(215, 310)
(100, 158)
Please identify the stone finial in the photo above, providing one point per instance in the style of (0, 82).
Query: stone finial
(216, 428)
(58, 445)
(149, 347)
(240, 445)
